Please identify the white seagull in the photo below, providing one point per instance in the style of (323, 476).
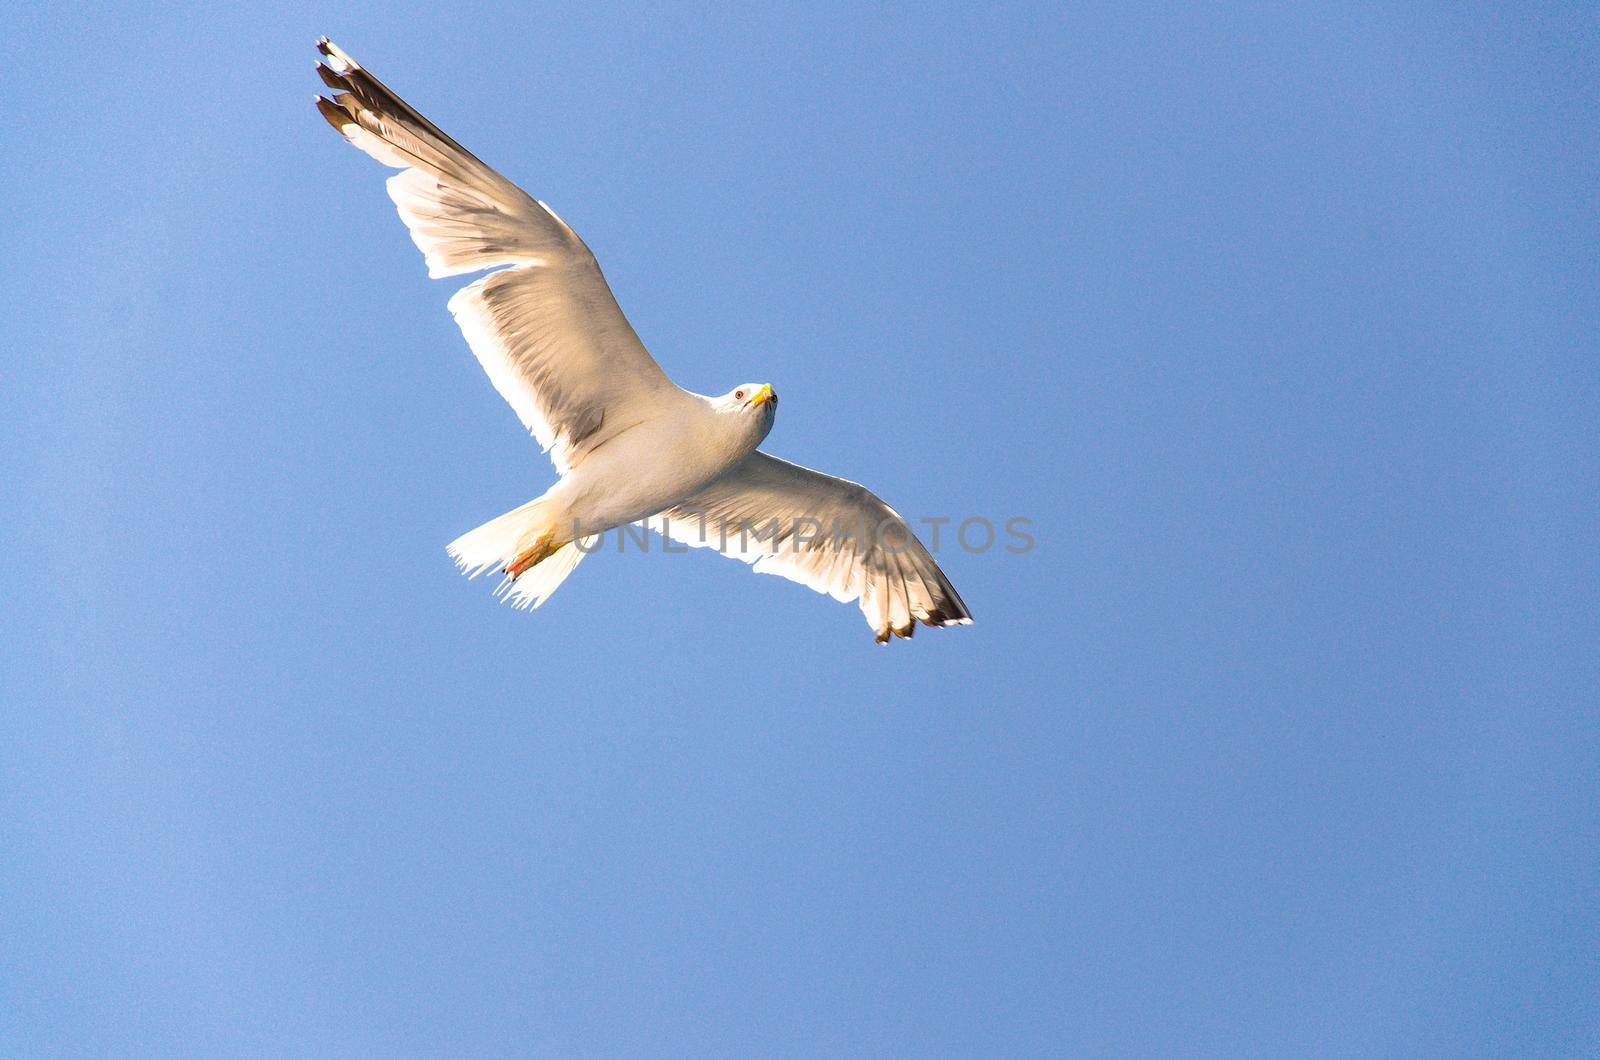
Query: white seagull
(628, 443)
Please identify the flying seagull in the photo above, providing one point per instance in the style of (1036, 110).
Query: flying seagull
(628, 443)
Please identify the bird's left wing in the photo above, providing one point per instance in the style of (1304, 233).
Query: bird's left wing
(546, 330)
(832, 535)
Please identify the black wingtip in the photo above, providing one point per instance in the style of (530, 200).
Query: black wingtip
(339, 56)
(331, 79)
(336, 115)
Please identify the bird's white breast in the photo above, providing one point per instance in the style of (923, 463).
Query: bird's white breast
(656, 464)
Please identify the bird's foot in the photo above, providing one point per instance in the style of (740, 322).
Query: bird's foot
(541, 550)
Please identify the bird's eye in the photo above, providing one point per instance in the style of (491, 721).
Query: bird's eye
(738, 395)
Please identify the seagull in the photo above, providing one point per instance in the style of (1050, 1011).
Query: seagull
(629, 445)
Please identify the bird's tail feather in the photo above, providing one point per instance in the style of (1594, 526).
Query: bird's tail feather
(534, 586)
(495, 544)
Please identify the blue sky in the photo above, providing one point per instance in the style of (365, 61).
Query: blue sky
(1279, 324)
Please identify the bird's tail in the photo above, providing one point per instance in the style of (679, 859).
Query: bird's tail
(499, 543)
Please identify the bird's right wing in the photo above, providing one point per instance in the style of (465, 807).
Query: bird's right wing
(826, 533)
(547, 330)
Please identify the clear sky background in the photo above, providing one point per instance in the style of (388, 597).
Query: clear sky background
(1280, 324)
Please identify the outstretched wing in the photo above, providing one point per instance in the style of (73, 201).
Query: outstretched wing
(826, 533)
(547, 329)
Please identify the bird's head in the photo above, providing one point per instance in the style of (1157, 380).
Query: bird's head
(757, 400)
(752, 397)
(751, 407)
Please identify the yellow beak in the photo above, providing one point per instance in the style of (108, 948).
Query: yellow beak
(764, 393)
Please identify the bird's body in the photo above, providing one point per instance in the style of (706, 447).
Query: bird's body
(653, 464)
(629, 444)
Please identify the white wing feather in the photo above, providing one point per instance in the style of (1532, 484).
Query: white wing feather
(546, 328)
(826, 533)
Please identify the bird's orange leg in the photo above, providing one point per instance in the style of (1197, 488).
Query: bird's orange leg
(539, 551)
